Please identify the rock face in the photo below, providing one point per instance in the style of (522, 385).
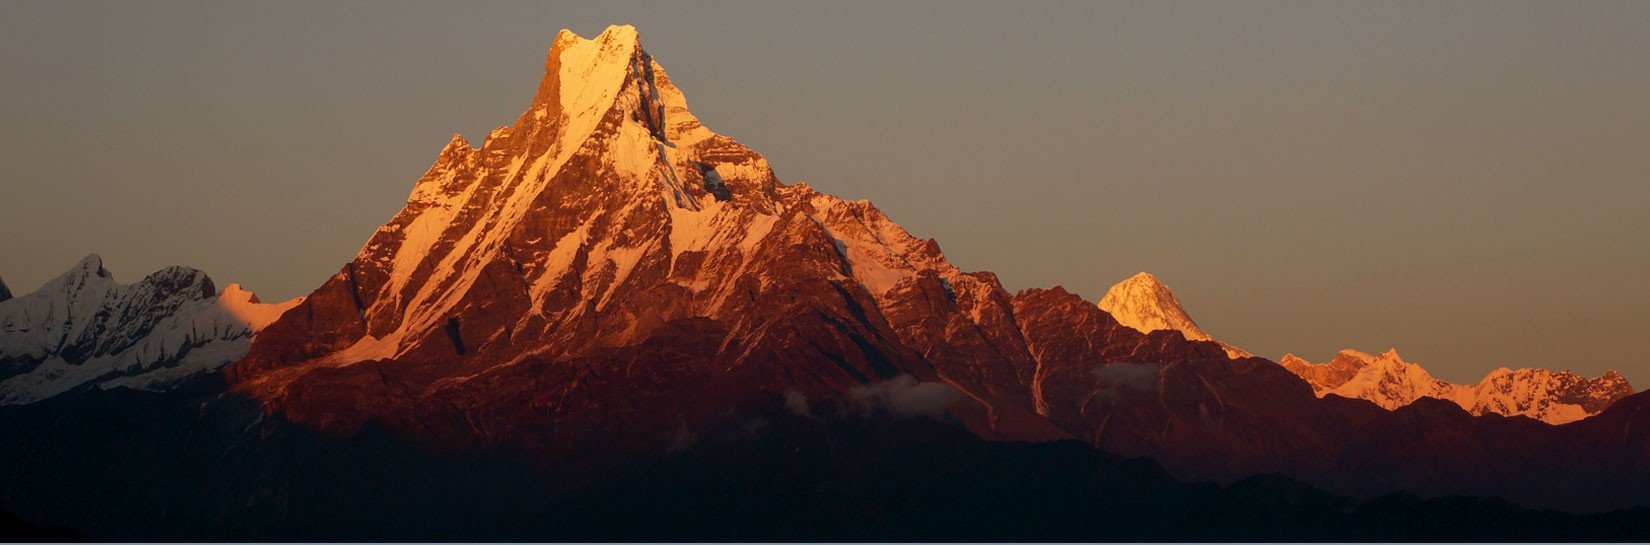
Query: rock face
(1555, 397)
(84, 328)
(607, 276)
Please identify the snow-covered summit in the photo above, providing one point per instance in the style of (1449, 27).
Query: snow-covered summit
(606, 182)
(1144, 303)
(83, 327)
(1386, 379)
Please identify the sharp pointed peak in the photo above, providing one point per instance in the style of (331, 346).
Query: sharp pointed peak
(92, 262)
(89, 266)
(1145, 304)
(457, 147)
(5, 292)
(583, 76)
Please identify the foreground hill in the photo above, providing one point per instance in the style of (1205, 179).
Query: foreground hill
(191, 464)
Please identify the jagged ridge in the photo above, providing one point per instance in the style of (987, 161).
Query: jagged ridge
(85, 328)
(1555, 397)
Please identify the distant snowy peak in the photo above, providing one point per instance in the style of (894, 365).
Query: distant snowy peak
(1146, 304)
(1555, 397)
(85, 328)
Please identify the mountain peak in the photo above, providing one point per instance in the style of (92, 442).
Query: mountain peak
(1144, 303)
(613, 33)
(1145, 277)
(234, 291)
(92, 264)
(5, 293)
(457, 144)
(584, 76)
(605, 174)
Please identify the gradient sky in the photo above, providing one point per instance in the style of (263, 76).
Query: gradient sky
(1465, 181)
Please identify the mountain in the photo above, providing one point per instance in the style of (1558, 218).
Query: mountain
(1386, 379)
(84, 328)
(526, 279)
(1146, 304)
(1555, 397)
(605, 308)
(607, 279)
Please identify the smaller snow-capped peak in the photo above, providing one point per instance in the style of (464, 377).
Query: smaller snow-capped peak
(1144, 303)
(244, 307)
(92, 263)
(1389, 381)
(90, 266)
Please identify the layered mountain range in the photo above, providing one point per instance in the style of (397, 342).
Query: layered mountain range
(84, 328)
(608, 263)
(606, 279)
(1556, 397)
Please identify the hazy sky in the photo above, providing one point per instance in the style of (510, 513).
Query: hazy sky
(1466, 181)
